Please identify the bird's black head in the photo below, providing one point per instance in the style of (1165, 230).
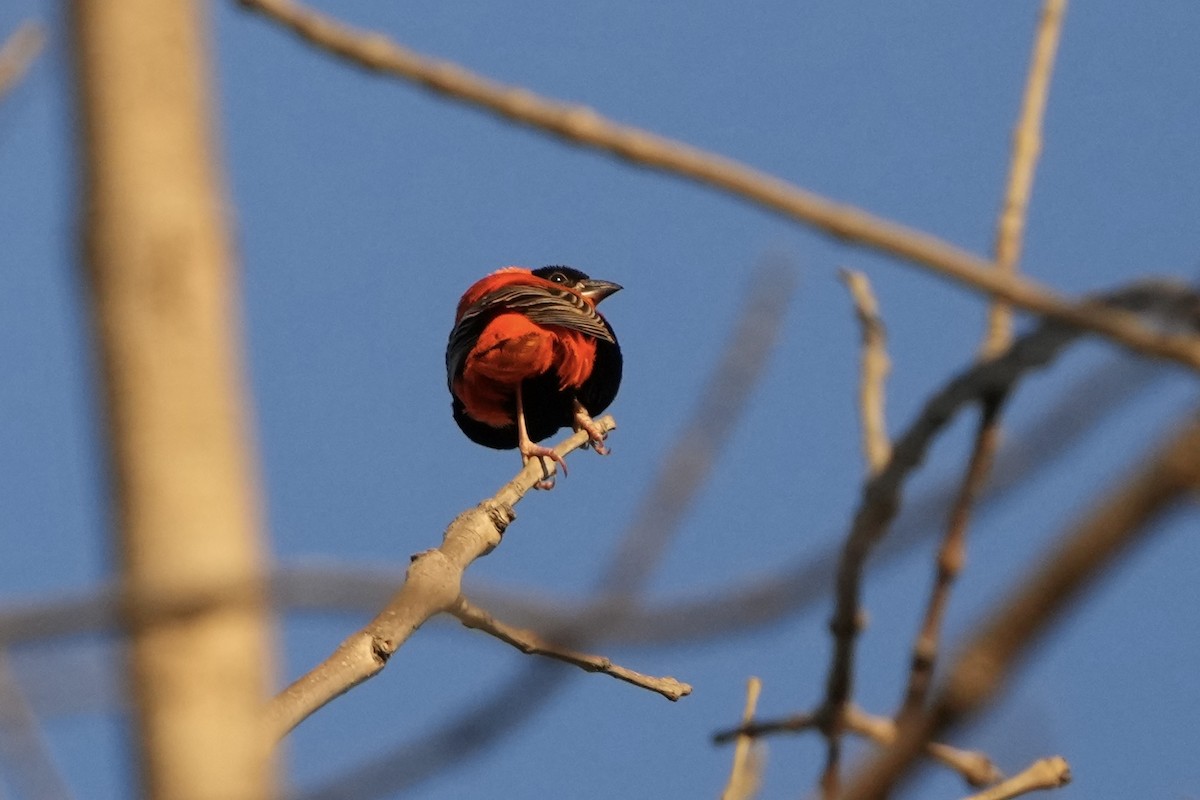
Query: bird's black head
(594, 290)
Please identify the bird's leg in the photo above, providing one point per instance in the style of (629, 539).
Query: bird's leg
(584, 422)
(529, 449)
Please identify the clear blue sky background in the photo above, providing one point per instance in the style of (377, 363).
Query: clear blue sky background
(364, 207)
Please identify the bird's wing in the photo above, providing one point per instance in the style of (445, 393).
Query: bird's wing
(545, 306)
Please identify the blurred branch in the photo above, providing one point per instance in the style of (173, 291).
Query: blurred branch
(23, 746)
(531, 643)
(583, 126)
(18, 53)
(745, 777)
(1122, 516)
(431, 585)
(877, 449)
(1027, 146)
(164, 303)
(1045, 773)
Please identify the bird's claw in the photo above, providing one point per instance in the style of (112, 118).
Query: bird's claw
(531, 451)
(584, 422)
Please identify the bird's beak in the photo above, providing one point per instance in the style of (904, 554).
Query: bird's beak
(598, 290)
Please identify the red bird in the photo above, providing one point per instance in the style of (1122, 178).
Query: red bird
(529, 354)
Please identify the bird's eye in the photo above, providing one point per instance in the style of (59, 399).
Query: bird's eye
(558, 277)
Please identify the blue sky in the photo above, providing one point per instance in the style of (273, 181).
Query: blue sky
(364, 207)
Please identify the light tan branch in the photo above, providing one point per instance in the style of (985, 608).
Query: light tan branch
(17, 54)
(431, 585)
(877, 449)
(583, 126)
(532, 643)
(1122, 517)
(1027, 146)
(745, 777)
(1045, 773)
(164, 300)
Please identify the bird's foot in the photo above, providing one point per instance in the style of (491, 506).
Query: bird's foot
(584, 422)
(531, 450)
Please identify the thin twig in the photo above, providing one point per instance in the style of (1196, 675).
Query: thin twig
(877, 449)
(17, 54)
(1027, 146)
(531, 643)
(431, 585)
(951, 556)
(583, 126)
(745, 777)
(1123, 516)
(1027, 137)
(1045, 773)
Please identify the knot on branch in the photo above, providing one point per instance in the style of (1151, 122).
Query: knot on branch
(501, 514)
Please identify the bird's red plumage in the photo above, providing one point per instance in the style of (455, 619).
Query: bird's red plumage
(513, 348)
(530, 354)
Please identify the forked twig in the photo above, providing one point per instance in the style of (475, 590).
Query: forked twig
(431, 585)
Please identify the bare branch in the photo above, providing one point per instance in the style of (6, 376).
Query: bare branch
(17, 54)
(745, 777)
(531, 643)
(877, 449)
(583, 126)
(1027, 146)
(431, 585)
(1122, 517)
(1045, 773)
(951, 556)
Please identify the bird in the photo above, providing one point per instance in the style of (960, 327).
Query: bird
(530, 354)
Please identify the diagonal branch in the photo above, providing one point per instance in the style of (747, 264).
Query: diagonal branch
(532, 643)
(431, 585)
(583, 126)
